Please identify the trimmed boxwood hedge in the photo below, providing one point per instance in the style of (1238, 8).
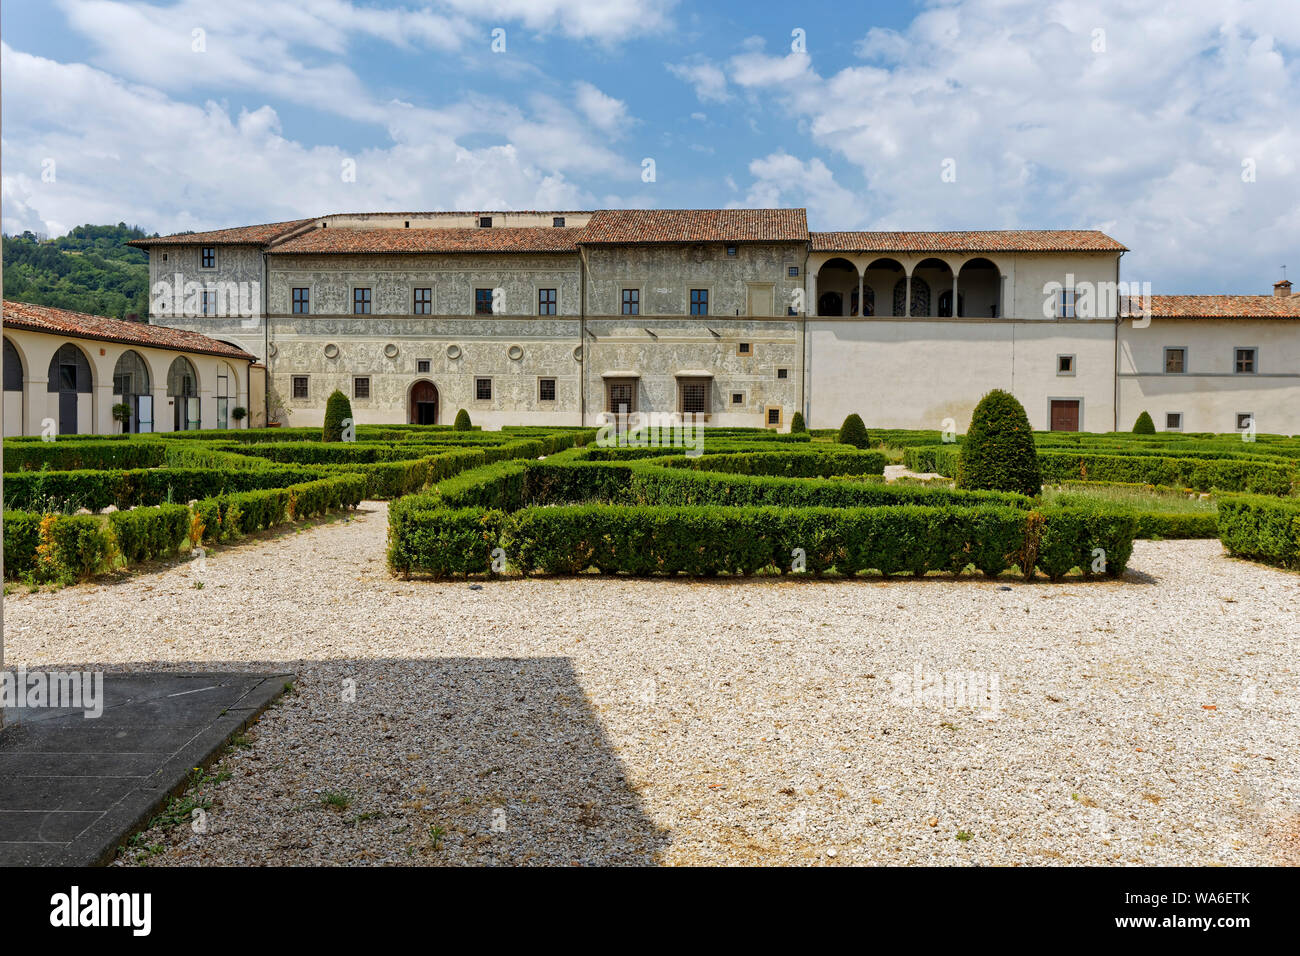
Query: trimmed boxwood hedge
(63, 455)
(1200, 473)
(800, 463)
(1261, 528)
(146, 533)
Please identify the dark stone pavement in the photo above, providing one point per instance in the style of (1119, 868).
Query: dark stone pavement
(73, 788)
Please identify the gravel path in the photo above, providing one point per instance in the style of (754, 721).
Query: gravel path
(1152, 720)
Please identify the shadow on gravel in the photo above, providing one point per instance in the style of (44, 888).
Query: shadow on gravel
(459, 760)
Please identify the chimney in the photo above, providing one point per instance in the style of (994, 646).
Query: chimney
(1282, 289)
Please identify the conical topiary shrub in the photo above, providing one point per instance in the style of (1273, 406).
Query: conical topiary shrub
(337, 410)
(462, 423)
(796, 423)
(998, 451)
(1144, 425)
(854, 433)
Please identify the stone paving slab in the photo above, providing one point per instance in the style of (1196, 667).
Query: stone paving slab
(72, 788)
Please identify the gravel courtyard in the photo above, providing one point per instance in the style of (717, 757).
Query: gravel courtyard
(1151, 720)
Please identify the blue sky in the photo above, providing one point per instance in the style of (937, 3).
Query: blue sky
(1168, 125)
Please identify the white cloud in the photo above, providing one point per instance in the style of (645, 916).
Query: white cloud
(1145, 139)
(784, 180)
(601, 110)
(708, 79)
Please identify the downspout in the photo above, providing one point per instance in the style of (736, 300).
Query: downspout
(803, 344)
(582, 336)
(266, 344)
(1115, 374)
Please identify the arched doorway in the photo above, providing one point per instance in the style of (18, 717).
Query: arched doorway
(183, 390)
(837, 284)
(69, 376)
(423, 404)
(15, 413)
(131, 388)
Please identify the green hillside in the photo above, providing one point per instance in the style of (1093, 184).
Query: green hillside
(91, 269)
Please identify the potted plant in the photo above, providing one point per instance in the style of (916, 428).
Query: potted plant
(122, 414)
(238, 413)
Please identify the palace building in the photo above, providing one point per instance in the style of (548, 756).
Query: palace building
(742, 316)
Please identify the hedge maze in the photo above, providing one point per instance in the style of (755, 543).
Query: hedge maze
(557, 501)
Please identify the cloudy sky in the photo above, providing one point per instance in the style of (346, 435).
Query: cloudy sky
(1170, 125)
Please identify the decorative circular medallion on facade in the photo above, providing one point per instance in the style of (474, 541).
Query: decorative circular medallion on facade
(390, 350)
(271, 350)
(577, 353)
(515, 353)
(453, 351)
(331, 351)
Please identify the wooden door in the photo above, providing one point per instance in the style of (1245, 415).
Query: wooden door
(1065, 415)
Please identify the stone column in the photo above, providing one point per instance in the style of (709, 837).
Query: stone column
(907, 297)
(954, 295)
(862, 308)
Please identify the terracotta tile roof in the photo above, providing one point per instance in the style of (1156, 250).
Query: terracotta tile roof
(340, 240)
(1004, 240)
(239, 236)
(44, 318)
(1224, 307)
(630, 226)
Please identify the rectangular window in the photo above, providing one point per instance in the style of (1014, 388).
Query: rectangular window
(1065, 365)
(208, 257)
(223, 412)
(558, 222)
(361, 387)
(1065, 304)
(1245, 361)
(631, 301)
(68, 378)
(1175, 361)
(783, 373)
(1244, 420)
(360, 301)
(209, 303)
(485, 222)
(300, 386)
(694, 395)
(1173, 421)
(546, 389)
(301, 301)
(546, 302)
(423, 304)
(738, 398)
(423, 365)
(620, 395)
(482, 301)
(483, 389)
(744, 348)
(699, 302)
(731, 250)
(774, 415)
(792, 272)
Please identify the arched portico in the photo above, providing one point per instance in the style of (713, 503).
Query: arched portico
(70, 381)
(183, 391)
(131, 388)
(15, 377)
(980, 282)
(837, 288)
(422, 403)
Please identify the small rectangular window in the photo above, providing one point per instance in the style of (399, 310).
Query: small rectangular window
(360, 301)
(1065, 365)
(422, 366)
(301, 301)
(546, 389)
(1244, 421)
(482, 301)
(1175, 361)
(631, 301)
(731, 250)
(694, 395)
(485, 222)
(209, 257)
(423, 304)
(483, 389)
(300, 386)
(774, 416)
(361, 387)
(699, 302)
(783, 373)
(738, 398)
(1245, 361)
(546, 302)
(792, 272)
(1173, 421)
(558, 222)
(209, 303)
(744, 348)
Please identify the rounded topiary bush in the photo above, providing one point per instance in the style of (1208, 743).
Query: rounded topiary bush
(337, 410)
(462, 423)
(854, 433)
(796, 423)
(998, 452)
(1144, 425)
